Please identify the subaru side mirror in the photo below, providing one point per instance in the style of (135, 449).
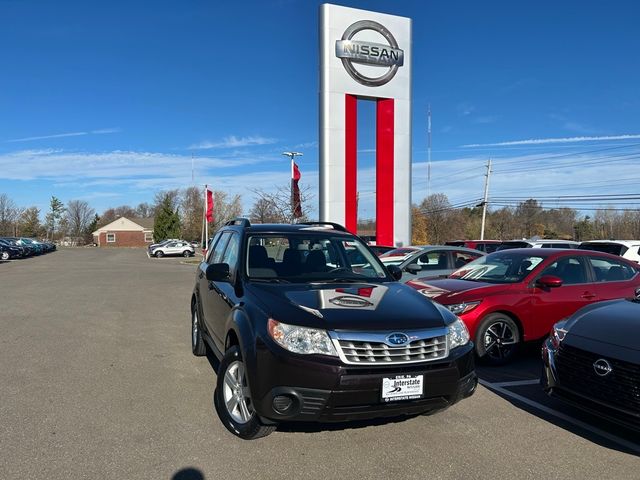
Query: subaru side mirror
(218, 272)
(395, 272)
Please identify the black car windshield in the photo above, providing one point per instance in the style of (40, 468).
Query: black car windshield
(308, 256)
(499, 267)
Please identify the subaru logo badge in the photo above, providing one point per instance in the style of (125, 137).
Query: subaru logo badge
(397, 339)
(602, 367)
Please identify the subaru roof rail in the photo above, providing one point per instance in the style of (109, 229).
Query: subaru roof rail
(241, 221)
(335, 226)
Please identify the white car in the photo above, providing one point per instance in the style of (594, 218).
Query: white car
(178, 247)
(629, 249)
(538, 243)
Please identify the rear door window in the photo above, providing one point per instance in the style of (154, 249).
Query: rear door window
(607, 270)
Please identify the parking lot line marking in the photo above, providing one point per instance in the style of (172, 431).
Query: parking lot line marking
(516, 383)
(578, 423)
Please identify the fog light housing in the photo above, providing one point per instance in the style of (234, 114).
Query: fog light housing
(283, 404)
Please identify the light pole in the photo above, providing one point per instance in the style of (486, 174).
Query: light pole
(295, 199)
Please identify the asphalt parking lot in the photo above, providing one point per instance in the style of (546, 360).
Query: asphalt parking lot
(98, 381)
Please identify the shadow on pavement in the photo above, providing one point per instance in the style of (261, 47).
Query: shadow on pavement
(188, 474)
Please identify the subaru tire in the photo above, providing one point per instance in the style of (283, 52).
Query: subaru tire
(232, 399)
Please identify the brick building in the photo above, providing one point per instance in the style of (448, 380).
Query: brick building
(124, 232)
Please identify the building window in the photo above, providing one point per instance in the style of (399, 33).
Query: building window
(111, 238)
(148, 237)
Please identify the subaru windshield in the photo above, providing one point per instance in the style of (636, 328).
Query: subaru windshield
(311, 256)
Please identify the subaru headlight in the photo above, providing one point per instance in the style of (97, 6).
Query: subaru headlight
(558, 333)
(302, 340)
(457, 334)
(460, 308)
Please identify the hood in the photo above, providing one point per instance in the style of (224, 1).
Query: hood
(443, 289)
(616, 322)
(349, 306)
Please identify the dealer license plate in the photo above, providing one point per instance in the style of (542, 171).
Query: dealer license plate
(402, 387)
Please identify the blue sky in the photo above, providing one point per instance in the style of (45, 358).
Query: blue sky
(107, 101)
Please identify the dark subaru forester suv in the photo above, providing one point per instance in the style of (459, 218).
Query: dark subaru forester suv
(308, 325)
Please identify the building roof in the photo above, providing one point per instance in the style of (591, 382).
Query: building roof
(124, 224)
(146, 223)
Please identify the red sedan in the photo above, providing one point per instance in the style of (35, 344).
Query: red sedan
(517, 295)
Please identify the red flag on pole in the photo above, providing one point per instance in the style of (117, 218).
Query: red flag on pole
(209, 206)
(295, 191)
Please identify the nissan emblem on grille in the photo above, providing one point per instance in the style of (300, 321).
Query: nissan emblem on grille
(397, 339)
(602, 367)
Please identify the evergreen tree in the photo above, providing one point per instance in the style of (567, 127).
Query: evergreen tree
(55, 215)
(167, 221)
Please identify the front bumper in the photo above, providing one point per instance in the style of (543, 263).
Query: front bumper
(553, 386)
(292, 388)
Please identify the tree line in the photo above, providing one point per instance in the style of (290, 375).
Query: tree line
(179, 214)
(435, 221)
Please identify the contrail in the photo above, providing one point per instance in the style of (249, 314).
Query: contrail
(539, 141)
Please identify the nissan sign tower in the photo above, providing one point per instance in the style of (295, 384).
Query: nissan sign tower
(365, 55)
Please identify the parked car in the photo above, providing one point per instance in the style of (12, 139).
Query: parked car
(592, 360)
(512, 296)
(486, 246)
(629, 249)
(28, 249)
(397, 255)
(309, 337)
(153, 246)
(179, 247)
(37, 248)
(11, 250)
(436, 261)
(380, 249)
(546, 243)
(5, 253)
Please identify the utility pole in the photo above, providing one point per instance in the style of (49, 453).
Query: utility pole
(486, 198)
(429, 151)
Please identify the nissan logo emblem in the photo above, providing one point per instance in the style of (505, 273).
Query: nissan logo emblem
(602, 367)
(369, 53)
(397, 339)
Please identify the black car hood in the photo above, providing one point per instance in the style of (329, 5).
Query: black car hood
(616, 322)
(350, 306)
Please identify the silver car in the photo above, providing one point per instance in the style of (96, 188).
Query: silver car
(176, 247)
(436, 261)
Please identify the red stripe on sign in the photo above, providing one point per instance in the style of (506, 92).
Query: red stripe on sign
(351, 163)
(384, 171)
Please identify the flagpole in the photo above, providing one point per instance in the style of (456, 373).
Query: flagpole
(204, 242)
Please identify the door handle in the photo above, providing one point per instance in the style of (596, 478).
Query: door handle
(588, 295)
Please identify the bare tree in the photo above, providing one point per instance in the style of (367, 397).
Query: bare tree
(9, 215)
(443, 221)
(79, 216)
(224, 209)
(279, 203)
(264, 211)
(144, 210)
(192, 204)
(166, 199)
